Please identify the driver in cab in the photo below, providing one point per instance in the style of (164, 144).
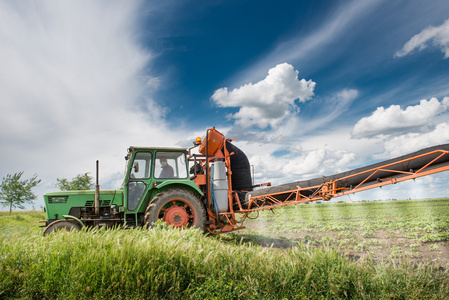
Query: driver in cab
(167, 170)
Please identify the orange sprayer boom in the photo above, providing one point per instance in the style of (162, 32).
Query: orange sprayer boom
(430, 161)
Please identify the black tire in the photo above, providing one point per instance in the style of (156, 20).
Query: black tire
(176, 207)
(61, 225)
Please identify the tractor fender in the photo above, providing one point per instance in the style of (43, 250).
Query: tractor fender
(69, 217)
(187, 185)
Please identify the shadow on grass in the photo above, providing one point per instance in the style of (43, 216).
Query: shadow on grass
(260, 240)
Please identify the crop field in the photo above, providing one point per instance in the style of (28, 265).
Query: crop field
(415, 230)
(375, 250)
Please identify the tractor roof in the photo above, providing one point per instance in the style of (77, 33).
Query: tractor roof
(157, 148)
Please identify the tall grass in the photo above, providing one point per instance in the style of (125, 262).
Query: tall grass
(162, 263)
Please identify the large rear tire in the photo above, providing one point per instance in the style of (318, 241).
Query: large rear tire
(176, 207)
(61, 225)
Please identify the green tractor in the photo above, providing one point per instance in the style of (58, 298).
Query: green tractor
(205, 189)
(156, 186)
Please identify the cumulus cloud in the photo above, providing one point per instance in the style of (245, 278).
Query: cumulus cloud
(394, 119)
(404, 144)
(269, 101)
(433, 36)
(308, 158)
(318, 161)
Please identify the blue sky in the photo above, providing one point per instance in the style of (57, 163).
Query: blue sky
(307, 88)
(346, 44)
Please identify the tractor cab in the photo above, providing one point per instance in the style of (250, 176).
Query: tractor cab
(148, 169)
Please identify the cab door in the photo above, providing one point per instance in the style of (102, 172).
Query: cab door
(139, 180)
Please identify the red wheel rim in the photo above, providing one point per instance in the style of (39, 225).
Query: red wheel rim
(178, 213)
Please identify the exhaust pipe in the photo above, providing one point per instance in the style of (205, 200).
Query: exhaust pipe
(97, 194)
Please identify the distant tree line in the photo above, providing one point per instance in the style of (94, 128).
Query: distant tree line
(79, 182)
(15, 192)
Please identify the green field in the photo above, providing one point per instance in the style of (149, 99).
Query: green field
(416, 230)
(375, 250)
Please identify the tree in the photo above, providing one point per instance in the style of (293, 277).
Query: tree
(80, 182)
(15, 192)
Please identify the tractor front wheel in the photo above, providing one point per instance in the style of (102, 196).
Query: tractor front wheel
(176, 207)
(62, 224)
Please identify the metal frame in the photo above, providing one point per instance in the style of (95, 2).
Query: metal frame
(329, 190)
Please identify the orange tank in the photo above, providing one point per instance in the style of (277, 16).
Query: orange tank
(214, 142)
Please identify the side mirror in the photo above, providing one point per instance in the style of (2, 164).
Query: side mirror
(136, 167)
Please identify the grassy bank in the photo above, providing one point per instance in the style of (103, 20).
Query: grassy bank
(172, 264)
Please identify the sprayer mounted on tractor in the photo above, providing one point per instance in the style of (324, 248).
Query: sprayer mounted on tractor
(213, 190)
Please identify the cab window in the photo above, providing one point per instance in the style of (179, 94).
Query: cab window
(141, 167)
(170, 165)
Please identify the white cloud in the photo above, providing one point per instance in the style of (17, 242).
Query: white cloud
(301, 157)
(74, 88)
(269, 101)
(395, 119)
(318, 162)
(299, 165)
(407, 143)
(405, 131)
(434, 36)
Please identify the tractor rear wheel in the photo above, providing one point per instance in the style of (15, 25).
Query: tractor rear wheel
(62, 224)
(176, 207)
